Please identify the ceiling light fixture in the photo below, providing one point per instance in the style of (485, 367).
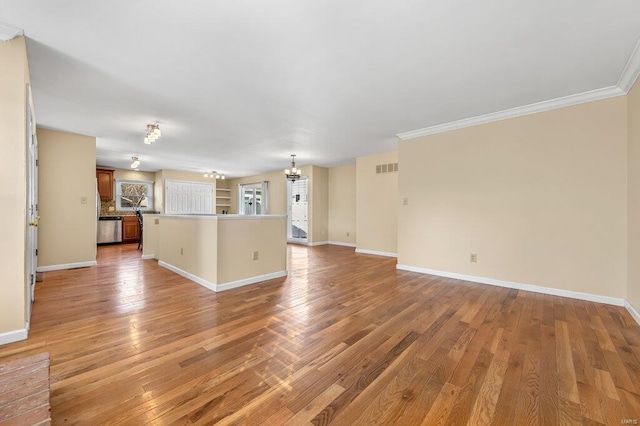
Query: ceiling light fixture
(153, 133)
(292, 174)
(213, 174)
(136, 163)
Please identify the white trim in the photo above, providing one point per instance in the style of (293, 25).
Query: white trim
(319, 243)
(9, 32)
(632, 311)
(223, 286)
(252, 280)
(518, 286)
(631, 70)
(187, 275)
(148, 256)
(340, 243)
(13, 336)
(66, 266)
(580, 98)
(377, 253)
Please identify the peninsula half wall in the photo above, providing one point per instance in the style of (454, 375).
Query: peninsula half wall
(220, 252)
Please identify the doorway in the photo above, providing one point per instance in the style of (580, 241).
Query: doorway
(31, 260)
(298, 211)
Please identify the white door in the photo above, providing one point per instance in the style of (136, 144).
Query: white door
(298, 210)
(32, 205)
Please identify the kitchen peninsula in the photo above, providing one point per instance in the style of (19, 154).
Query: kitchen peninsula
(220, 252)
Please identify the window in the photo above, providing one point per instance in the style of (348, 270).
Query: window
(253, 198)
(134, 195)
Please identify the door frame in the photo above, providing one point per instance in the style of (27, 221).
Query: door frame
(32, 218)
(290, 238)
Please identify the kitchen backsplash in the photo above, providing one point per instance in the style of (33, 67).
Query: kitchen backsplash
(104, 209)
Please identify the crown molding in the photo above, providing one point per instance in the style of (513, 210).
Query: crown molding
(631, 70)
(580, 98)
(9, 32)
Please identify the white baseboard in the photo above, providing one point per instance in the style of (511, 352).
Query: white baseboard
(148, 256)
(632, 311)
(518, 286)
(66, 266)
(13, 336)
(252, 280)
(188, 275)
(339, 243)
(377, 253)
(319, 243)
(223, 286)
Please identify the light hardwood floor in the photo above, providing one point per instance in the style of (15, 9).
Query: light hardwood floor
(344, 339)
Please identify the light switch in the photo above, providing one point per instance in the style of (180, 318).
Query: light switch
(405, 201)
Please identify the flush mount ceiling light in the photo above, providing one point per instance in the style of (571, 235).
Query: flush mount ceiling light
(9, 32)
(213, 174)
(135, 163)
(153, 133)
(292, 174)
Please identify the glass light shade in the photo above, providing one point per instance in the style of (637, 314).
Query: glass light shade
(287, 171)
(223, 178)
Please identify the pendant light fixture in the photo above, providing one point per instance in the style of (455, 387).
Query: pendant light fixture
(292, 174)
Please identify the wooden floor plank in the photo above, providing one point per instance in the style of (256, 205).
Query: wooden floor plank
(345, 338)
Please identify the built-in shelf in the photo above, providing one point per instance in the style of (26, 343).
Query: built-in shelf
(223, 199)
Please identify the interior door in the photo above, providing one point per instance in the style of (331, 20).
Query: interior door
(32, 206)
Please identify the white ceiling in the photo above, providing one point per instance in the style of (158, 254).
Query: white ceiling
(238, 85)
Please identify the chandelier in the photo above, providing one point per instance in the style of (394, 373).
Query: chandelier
(292, 174)
(153, 133)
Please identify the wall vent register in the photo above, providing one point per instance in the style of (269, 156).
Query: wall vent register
(386, 168)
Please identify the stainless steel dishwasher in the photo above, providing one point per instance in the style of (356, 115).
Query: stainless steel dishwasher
(109, 229)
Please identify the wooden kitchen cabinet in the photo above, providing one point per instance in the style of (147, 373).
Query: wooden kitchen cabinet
(130, 229)
(105, 184)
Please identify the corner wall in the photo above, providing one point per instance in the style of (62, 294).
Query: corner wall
(377, 205)
(633, 125)
(541, 199)
(14, 78)
(342, 205)
(67, 200)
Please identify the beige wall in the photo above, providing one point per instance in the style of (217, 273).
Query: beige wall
(633, 120)
(190, 244)
(67, 173)
(319, 205)
(123, 174)
(376, 204)
(238, 239)
(342, 204)
(151, 236)
(541, 199)
(13, 81)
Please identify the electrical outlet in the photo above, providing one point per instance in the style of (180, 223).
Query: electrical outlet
(156, 221)
(348, 234)
(83, 200)
(405, 201)
(181, 250)
(473, 257)
(112, 209)
(255, 255)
